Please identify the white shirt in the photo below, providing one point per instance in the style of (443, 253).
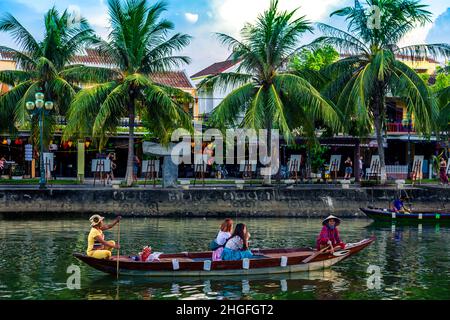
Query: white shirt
(235, 243)
(222, 237)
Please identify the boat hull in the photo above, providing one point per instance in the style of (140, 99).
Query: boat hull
(378, 214)
(193, 264)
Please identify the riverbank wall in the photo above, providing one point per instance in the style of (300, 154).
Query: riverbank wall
(208, 202)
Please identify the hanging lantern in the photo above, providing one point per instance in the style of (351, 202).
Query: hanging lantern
(4, 141)
(87, 144)
(70, 143)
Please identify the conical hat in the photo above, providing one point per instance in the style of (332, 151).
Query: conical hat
(338, 221)
(95, 220)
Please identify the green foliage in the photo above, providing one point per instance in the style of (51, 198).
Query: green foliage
(316, 60)
(42, 64)
(317, 155)
(268, 97)
(138, 46)
(361, 81)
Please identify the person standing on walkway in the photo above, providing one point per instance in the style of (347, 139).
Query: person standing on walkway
(136, 165)
(348, 168)
(361, 167)
(443, 171)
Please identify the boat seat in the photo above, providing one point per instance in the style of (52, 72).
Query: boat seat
(179, 260)
(288, 254)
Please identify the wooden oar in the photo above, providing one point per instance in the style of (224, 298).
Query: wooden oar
(118, 249)
(315, 255)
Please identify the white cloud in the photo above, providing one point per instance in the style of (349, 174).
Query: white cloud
(191, 17)
(231, 15)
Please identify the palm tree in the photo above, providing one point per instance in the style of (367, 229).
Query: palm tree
(370, 70)
(138, 46)
(269, 97)
(41, 66)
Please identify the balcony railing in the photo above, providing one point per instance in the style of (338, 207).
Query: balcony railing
(397, 127)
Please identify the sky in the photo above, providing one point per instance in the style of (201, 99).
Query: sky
(202, 18)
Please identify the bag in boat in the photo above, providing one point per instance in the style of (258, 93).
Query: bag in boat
(146, 252)
(213, 246)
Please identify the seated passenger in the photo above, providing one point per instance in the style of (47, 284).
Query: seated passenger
(222, 237)
(329, 236)
(97, 246)
(236, 247)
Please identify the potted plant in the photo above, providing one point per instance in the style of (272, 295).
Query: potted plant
(17, 173)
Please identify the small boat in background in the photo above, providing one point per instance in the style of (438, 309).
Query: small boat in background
(199, 264)
(420, 216)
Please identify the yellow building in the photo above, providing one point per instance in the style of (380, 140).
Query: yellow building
(421, 65)
(6, 63)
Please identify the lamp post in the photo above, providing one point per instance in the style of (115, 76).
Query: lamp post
(407, 124)
(40, 108)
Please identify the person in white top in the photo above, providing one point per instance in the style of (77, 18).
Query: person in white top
(236, 248)
(222, 237)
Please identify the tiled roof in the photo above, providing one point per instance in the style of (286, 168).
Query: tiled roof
(6, 55)
(403, 57)
(91, 58)
(216, 68)
(176, 79)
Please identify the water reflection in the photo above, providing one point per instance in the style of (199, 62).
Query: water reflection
(413, 259)
(323, 284)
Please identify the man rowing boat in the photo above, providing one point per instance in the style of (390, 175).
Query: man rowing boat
(97, 246)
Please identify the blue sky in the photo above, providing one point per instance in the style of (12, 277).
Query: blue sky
(200, 18)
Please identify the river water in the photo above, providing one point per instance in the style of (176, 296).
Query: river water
(414, 261)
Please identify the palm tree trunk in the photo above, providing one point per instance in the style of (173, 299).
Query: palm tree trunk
(378, 121)
(131, 119)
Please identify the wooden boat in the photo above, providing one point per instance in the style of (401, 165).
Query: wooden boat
(199, 264)
(434, 216)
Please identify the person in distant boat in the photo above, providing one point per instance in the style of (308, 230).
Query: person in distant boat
(399, 206)
(97, 246)
(329, 235)
(443, 171)
(236, 247)
(222, 237)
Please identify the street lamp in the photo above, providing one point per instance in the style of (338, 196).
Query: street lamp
(407, 124)
(40, 108)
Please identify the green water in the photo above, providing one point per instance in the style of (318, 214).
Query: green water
(414, 262)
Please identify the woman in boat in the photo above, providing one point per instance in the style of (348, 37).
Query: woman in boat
(236, 247)
(329, 236)
(97, 246)
(443, 171)
(224, 234)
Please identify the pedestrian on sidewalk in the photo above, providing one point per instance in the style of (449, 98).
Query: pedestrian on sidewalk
(443, 171)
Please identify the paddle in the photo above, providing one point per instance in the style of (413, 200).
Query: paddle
(118, 249)
(315, 254)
